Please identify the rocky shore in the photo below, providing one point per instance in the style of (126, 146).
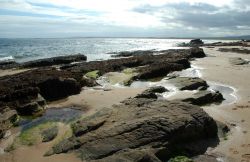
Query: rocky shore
(142, 128)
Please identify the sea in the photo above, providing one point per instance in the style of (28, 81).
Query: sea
(27, 49)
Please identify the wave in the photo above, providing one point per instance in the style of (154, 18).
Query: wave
(6, 59)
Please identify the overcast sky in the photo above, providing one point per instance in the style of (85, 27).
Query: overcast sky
(124, 18)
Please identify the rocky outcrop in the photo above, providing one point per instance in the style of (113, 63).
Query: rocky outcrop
(185, 53)
(192, 43)
(205, 97)
(139, 129)
(54, 61)
(160, 69)
(8, 118)
(238, 61)
(132, 53)
(186, 83)
(196, 42)
(25, 92)
(57, 88)
(235, 50)
(238, 43)
(197, 53)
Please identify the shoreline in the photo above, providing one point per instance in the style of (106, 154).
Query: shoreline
(237, 119)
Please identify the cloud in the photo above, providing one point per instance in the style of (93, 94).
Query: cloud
(124, 17)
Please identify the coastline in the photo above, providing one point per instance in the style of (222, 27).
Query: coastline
(216, 67)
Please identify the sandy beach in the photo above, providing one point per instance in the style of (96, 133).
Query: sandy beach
(217, 68)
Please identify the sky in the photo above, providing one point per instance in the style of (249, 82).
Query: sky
(124, 18)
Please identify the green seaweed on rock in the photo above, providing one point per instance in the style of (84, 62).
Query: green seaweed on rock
(92, 74)
(180, 159)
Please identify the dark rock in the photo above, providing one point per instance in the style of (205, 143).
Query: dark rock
(22, 91)
(159, 69)
(164, 58)
(157, 89)
(205, 97)
(31, 108)
(186, 83)
(196, 42)
(132, 53)
(57, 88)
(49, 134)
(197, 53)
(192, 43)
(55, 61)
(140, 131)
(238, 61)
(150, 93)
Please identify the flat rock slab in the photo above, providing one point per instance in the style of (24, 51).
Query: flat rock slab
(186, 83)
(139, 129)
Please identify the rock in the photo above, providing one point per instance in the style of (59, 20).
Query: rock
(196, 42)
(132, 53)
(150, 93)
(238, 43)
(205, 97)
(238, 61)
(159, 69)
(28, 89)
(197, 53)
(186, 83)
(57, 88)
(82, 127)
(7, 120)
(54, 61)
(136, 133)
(88, 82)
(31, 108)
(49, 134)
(165, 57)
(235, 50)
(9, 64)
(192, 43)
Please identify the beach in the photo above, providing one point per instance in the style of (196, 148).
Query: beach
(110, 106)
(217, 68)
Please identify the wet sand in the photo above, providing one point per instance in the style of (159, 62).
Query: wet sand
(218, 68)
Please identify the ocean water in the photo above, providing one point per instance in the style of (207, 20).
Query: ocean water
(22, 50)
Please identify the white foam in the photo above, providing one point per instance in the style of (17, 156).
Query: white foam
(8, 58)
